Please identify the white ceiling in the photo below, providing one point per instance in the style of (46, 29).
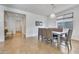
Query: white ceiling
(41, 9)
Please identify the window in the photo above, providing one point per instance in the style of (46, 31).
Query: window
(65, 21)
(65, 24)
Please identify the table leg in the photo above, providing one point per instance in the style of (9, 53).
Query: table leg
(58, 42)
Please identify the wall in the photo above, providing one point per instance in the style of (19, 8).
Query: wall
(75, 10)
(1, 24)
(51, 22)
(31, 29)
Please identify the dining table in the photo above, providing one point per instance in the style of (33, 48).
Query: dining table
(42, 31)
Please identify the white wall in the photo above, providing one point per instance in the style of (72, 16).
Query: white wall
(51, 22)
(1, 24)
(75, 10)
(31, 29)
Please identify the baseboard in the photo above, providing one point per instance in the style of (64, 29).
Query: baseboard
(2, 41)
(33, 35)
(77, 39)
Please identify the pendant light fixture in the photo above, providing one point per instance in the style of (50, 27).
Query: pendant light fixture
(52, 15)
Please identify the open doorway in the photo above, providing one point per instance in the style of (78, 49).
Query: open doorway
(14, 24)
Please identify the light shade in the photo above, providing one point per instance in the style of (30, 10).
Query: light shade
(52, 15)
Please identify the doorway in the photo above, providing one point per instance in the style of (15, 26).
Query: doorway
(14, 24)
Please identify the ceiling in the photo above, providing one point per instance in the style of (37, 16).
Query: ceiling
(41, 9)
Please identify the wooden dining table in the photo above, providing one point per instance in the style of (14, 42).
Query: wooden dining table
(46, 32)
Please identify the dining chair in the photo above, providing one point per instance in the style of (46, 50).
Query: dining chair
(67, 40)
(55, 36)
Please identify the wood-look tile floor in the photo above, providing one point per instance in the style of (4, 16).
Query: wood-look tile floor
(21, 45)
